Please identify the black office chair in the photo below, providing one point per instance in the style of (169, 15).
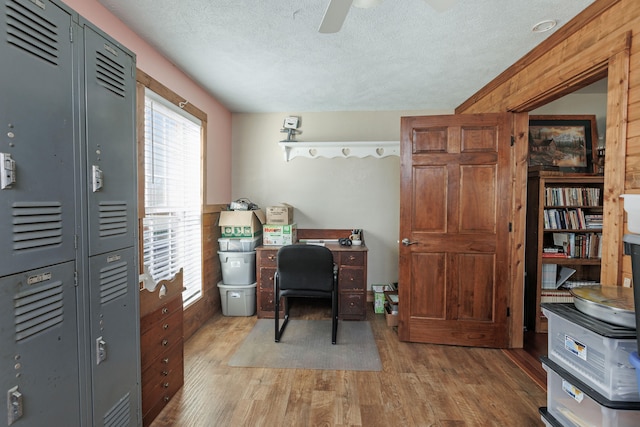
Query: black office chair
(305, 271)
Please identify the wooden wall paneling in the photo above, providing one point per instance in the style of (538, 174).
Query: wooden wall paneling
(614, 170)
(203, 309)
(520, 158)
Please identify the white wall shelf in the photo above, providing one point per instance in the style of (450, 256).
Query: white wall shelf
(360, 149)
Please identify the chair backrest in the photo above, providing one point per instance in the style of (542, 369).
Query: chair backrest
(303, 266)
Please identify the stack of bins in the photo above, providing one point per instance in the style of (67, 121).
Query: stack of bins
(238, 286)
(589, 379)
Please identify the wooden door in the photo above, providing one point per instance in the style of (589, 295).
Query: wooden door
(454, 223)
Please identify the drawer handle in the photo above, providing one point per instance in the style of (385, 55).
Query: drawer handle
(165, 326)
(165, 360)
(165, 385)
(352, 258)
(271, 257)
(165, 310)
(165, 373)
(165, 342)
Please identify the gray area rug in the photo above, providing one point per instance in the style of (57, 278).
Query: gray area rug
(306, 344)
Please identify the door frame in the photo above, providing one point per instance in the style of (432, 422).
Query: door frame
(608, 57)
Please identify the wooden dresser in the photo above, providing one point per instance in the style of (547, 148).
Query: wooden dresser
(352, 275)
(161, 349)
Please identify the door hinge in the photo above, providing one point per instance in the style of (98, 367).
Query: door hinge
(508, 312)
(510, 227)
(513, 140)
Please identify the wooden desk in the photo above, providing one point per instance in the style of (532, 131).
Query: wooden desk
(352, 275)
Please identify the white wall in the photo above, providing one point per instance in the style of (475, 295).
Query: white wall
(327, 193)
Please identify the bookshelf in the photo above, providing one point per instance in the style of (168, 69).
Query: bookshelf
(564, 238)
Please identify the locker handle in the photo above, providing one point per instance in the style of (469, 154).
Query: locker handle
(7, 171)
(97, 177)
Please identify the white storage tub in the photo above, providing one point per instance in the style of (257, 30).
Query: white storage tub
(239, 244)
(238, 268)
(238, 300)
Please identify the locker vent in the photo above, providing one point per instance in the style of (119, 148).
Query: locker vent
(110, 74)
(113, 282)
(38, 309)
(120, 414)
(113, 218)
(32, 33)
(36, 225)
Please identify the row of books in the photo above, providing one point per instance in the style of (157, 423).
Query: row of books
(576, 219)
(556, 296)
(574, 245)
(572, 196)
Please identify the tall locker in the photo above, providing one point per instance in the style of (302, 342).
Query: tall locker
(108, 118)
(69, 315)
(37, 158)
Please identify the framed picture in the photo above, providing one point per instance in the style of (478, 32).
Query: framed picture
(562, 142)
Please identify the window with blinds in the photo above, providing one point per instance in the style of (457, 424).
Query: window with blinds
(172, 226)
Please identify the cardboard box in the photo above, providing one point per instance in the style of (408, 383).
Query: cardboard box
(279, 235)
(241, 223)
(282, 214)
(379, 297)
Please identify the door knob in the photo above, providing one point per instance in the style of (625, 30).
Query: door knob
(408, 242)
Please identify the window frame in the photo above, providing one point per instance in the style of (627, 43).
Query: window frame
(144, 81)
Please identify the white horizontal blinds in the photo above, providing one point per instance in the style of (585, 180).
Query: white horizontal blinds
(172, 227)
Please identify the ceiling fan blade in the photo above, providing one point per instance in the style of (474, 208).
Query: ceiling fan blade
(334, 16)
(441, 5)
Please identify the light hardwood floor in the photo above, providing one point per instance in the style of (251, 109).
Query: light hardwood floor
(420, 385)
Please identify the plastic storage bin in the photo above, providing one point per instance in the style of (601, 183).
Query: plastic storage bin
(238, 300)
(245, 244)
(571, 402)
(238, 268)
(594, 351)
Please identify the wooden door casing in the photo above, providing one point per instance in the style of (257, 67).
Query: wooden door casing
(455, 210)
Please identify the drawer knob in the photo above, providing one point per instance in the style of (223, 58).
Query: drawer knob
(271, 257)
(165, 360)
(165, 310)
(165, 385)
(165, 373)
(165, 326)
(165, 342)
(166, 398)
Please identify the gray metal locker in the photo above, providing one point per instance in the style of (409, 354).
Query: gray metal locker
(111, 147)
(37, 201)
(39, 348)
(113, 288)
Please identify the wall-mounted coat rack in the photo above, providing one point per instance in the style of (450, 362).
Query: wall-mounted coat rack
(360, 149)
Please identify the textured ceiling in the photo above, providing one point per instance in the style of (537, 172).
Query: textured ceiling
(267, 55)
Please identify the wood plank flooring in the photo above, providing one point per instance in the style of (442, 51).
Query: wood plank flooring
(420, 385)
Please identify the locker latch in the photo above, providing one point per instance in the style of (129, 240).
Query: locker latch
(101, 350)
(14, 405)
(8, 166)
(97, 178)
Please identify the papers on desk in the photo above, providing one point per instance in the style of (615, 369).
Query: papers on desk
(319, 242)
